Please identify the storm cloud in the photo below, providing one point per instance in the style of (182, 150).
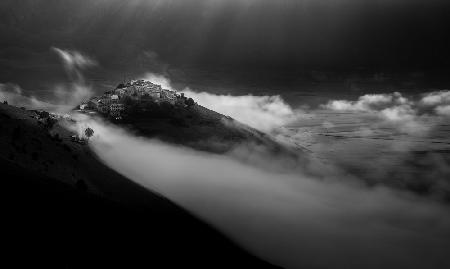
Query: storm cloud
(236, 34)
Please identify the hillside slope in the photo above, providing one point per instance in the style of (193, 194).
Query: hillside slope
(64, 208)
(197, 127)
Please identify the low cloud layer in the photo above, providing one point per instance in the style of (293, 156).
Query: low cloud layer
(411, 115)
(288, 218)
(384, 104)
(369, 102)
(439, 100)
(15, 95)
(264, 113)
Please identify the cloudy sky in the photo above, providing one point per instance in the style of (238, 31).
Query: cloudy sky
(132, 36)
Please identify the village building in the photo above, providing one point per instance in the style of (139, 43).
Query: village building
(114, 98)
(116, 109)
(105, 100)
(112, 102)
(120, 92)
(93, 103)
(169, 96)
(102, 107)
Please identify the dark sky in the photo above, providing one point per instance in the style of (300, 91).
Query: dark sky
(274, 35)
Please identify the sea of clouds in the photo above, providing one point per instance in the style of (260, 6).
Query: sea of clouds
(411, 115)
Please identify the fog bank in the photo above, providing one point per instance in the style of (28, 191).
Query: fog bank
(285, 217)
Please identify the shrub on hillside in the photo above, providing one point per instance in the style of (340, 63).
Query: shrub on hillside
(89, 132)
(189, 102)
(43, 114)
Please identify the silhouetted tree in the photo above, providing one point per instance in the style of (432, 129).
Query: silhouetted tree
(50, 122)
(189, 102)
(44, 114)
(89, 133)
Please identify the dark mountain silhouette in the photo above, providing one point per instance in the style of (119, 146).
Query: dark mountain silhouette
(65, 209)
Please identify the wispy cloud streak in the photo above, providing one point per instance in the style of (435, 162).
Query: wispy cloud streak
(64, 96)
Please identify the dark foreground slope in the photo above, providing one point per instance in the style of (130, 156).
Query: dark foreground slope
(73, 212)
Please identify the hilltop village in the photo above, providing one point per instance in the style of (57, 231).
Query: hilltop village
(115, 102)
